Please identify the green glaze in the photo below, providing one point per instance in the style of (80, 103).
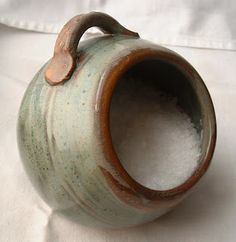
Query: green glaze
(61, 144)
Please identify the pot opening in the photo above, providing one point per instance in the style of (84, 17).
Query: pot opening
(155, 124)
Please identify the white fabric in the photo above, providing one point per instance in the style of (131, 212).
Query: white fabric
(208, 215)
(196, 23)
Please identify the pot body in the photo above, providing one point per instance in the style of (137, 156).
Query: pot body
(61, 139)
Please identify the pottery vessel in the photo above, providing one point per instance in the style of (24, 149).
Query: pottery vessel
(63, 126)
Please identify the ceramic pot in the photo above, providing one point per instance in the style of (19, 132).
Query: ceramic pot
(63, 125)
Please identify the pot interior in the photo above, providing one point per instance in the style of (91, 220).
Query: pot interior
(138, 143)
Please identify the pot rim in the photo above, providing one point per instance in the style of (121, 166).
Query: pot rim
(111, 77)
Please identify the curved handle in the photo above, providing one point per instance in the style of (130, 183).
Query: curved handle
(63, 62)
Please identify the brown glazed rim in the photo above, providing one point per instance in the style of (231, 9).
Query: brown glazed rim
(112, 76)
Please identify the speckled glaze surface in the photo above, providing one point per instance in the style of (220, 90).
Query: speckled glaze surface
(66, 149)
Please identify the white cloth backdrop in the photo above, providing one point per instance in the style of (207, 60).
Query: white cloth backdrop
(199, 23)
(209, 214)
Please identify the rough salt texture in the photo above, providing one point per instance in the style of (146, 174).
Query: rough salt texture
(154, 139)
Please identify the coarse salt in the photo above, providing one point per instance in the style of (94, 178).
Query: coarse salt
(154, 139)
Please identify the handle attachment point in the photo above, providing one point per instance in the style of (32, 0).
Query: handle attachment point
(63, 63)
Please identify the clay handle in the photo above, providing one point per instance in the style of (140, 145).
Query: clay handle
(63, 63)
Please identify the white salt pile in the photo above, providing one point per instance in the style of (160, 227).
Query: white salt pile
(154, 139)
